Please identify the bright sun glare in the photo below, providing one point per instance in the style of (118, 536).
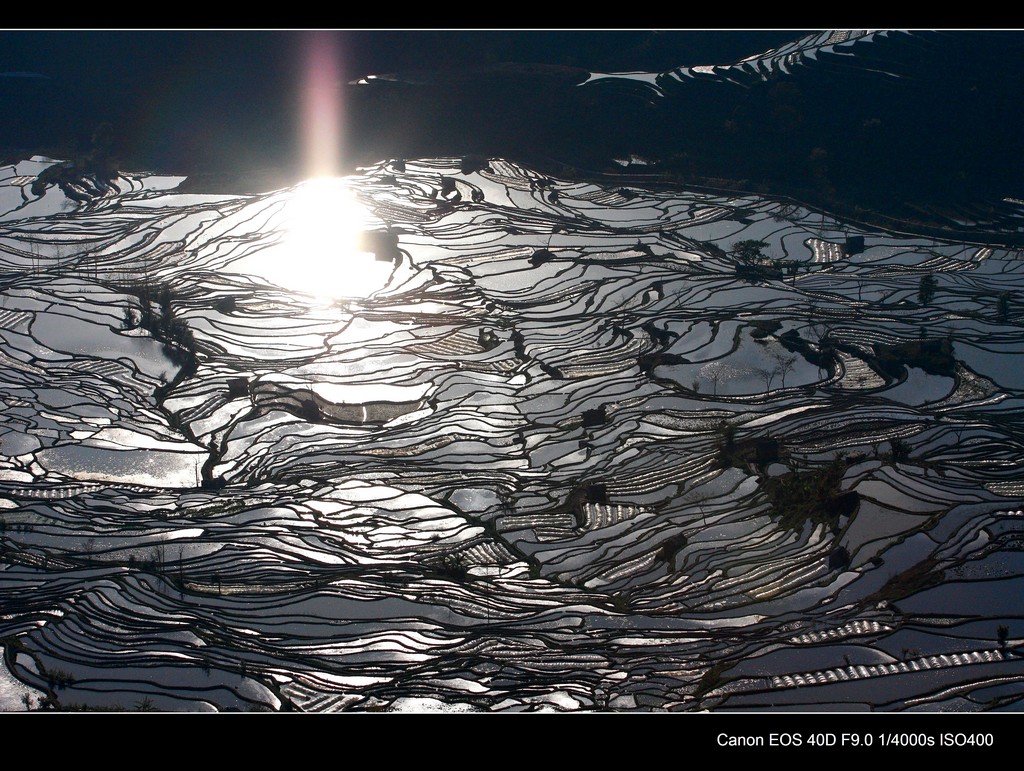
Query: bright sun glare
(320, 252)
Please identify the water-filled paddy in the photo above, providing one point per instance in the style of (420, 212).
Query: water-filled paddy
(552, 442)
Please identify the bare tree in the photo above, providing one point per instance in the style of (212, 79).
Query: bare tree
(716, 372)
(822, 339)
(768, 375)
(784, 362)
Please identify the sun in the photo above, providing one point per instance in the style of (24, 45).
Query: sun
(319, 252)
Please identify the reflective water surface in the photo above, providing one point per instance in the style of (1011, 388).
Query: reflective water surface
(536, 453)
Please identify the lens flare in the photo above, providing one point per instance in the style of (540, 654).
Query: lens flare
(322, 108)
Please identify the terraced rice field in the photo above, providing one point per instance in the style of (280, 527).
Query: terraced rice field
(540, 455)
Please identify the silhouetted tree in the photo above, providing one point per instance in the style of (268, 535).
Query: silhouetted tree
(785, 364)
(750, 250)
(1003, 306)
(926, 289)
(768, 375)
(899, 450)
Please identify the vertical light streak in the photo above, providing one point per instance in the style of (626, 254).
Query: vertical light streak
(322, 108)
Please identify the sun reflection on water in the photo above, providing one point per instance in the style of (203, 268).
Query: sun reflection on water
(320, 252)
